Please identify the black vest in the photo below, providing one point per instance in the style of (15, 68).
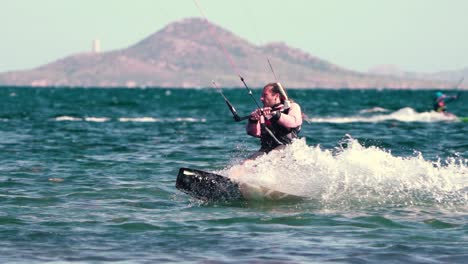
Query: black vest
(281, 133)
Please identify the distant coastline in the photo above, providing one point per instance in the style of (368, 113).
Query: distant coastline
(211, 88)
(184, 55)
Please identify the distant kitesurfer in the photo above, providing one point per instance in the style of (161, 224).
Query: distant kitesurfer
(440, 101)
(277, 123)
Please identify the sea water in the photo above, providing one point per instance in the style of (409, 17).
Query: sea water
(87, 175)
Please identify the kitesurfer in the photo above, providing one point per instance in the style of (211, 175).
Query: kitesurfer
(277, 123)
(440, 101)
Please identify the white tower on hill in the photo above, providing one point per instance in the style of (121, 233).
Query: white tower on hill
(96, 46)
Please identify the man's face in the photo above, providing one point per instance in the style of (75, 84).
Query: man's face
(268, 98)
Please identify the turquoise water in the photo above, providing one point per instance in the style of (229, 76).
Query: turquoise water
(87, 175)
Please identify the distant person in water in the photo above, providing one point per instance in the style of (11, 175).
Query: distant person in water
(277, 123)
(441, 100)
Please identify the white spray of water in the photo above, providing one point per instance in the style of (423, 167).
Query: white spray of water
(354, 175)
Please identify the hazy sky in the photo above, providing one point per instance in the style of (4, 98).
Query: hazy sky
(415, 35)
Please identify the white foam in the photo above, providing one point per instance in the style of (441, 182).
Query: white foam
(152, 119)
(190, 119)
(131, 119)
(357, 176)
(406, 114)
(97, 119)
(138, 119)
(68, 118)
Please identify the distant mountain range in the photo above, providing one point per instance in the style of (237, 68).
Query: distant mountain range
(187, 54)
(445, 76)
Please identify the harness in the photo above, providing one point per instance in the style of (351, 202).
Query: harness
(283, 135)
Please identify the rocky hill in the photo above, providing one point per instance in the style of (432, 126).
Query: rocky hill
(187, 53)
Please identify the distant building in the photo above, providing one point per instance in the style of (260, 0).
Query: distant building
(96, 46)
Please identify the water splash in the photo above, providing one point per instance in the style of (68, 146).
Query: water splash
(353, 175)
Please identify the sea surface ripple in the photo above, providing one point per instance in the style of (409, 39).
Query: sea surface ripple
(87, 175)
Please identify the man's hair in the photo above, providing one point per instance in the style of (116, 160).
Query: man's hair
(275, 88)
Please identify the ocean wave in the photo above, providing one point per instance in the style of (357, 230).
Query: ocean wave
(67, 118)
(373, 110)
(406, 114)
(87, 119)
(127, 119)
(139, 119)
(96, 119)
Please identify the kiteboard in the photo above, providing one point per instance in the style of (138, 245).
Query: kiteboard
(212, 187)
(463, 119)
